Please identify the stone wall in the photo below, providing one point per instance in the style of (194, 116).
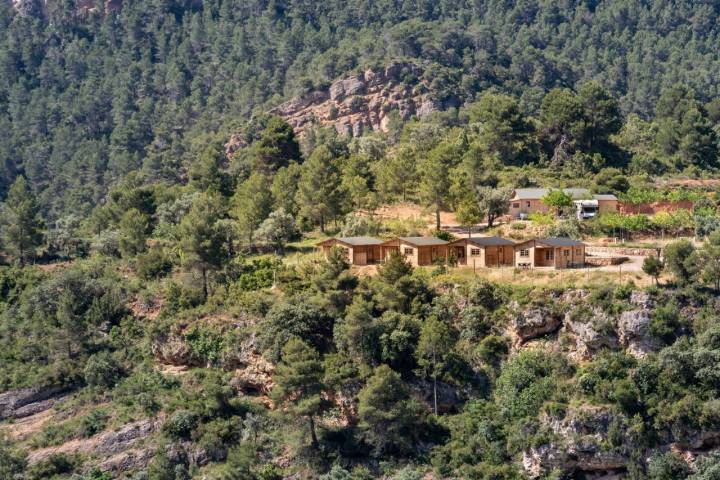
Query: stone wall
(605, 261)
(622, 251)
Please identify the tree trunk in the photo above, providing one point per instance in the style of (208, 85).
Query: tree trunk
(437, 218)
(313, 435)
(435, 408)
(469, 232)
(205, 286)
(322, 223)
(491, 219)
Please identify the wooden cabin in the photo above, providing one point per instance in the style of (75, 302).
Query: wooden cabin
(360, 250)
(550, 252)
(418, 251)
(483, 251)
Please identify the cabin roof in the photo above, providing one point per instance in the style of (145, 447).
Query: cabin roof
(555, 242)
(423, 241)
(487, 241)
(354, 241)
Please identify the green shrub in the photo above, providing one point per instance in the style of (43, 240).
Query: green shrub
(205, 344)
(102, 370)
(153, 264)
(254, 275)
(93, 423)
(493, 349)
(666, 323)
(55, 464)
(566, 228)
(11, 462)
(181, 424)
(527, 380)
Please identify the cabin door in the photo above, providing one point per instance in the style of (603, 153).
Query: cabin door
(460, 255)
(361, 258)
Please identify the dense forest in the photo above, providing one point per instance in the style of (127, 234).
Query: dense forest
(86, 98)
(164, 314)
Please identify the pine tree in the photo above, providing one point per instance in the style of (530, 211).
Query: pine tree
(397, 175)
(133, 227)
(298, 383)
(252, 203)
(435, 179)
(434, 345)
(203, 236)
(205, 173)
(653, 266)
(469, 213)
(284, 188)
(23, 224)
(319, 190)
(276, 147)
(602, 113)
(388, 417)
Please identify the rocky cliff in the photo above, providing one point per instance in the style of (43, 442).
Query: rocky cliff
(364, 102)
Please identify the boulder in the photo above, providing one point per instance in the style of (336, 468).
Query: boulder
(534, 322)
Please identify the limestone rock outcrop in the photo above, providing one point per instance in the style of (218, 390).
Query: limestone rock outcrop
(534, 322)
(586, 441)
(591, 330)
(359, 103)
(633, 330)
(24, 402)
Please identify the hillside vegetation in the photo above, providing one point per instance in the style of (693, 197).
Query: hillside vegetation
(164, 314)
(86, 98)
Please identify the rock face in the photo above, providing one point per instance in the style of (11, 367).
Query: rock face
(534, 322)
(591, 331)
(109, 443)
(27, 401)
(253, 373)
(361, 102)
(583, 444)
(633, 327)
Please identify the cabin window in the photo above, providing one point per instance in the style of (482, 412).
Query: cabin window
(474, 251)
(524, 252)
(578, 251)
(549, 254)
(408, 251)
(528, 204)
(516, 205)
(567, 253)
